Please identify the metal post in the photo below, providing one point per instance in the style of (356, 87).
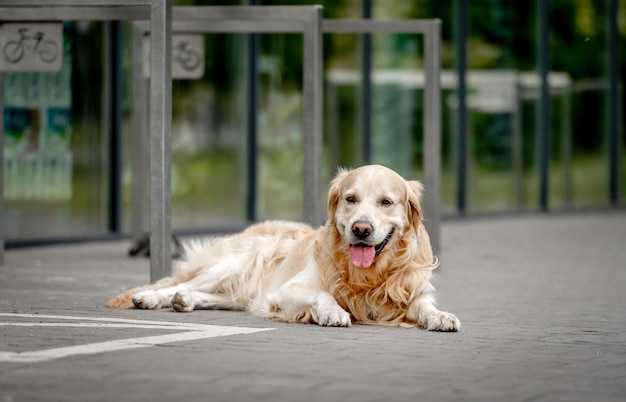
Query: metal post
(252, 126)
(614, 142)
(160, 144)
(312, 119)
(432, 133)
(517, 145)
(460, 46)
(566, 133)
(366, 84)
(252, 122)
(543, 115)
(115, 127)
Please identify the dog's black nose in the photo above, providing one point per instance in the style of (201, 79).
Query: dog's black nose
(362, 229)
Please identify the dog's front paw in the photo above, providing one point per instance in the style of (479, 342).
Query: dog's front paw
(147, 299)
(442, 321)
(183, 301)
(333, 317)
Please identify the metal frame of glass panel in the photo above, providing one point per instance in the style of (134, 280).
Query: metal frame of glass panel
(158, 12)
(305, 20)
(431, 30)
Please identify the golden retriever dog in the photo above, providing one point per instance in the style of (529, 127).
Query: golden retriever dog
(371, 263)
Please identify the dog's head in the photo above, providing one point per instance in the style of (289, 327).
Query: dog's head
(373, 210)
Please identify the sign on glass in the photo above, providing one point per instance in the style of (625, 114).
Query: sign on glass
(31, 46)
(187, 56)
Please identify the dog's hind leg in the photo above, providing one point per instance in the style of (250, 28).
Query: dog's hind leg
(206, 289)
(154, 299)
(187, 300)
(197, 292)
(125, 300)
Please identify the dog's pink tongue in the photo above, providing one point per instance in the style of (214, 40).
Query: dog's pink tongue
(362, 256)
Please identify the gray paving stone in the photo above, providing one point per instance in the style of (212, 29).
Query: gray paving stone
(541, 299)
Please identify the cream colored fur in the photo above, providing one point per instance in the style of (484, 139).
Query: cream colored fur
(291, 272)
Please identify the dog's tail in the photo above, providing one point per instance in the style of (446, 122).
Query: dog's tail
(125, 300)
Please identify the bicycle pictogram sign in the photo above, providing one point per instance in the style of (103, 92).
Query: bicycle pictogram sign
(37, 43)
(187, 56)
(31, 47)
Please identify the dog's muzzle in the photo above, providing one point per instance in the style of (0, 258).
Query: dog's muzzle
(363, 255)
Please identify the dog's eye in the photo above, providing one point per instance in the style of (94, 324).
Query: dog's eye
(385, 202)
(350, 199)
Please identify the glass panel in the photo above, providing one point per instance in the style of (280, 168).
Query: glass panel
(56, 142)
(342, 103)
(280, 152)
(209, 139)
(502, 91)
(578, 38)
(396, 103)
(280, 114)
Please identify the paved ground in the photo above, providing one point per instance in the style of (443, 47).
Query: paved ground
(541, 299)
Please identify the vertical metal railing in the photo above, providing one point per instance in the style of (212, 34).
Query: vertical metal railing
(366, 86)
(160, 140)
(252, 123)
(543, 114)
(432, 133)
(115, 128)
(613, 105)
(461, 22)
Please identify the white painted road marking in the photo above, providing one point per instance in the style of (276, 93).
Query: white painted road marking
(191, 332)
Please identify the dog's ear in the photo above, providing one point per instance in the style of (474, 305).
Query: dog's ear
(425, 251)
(415, 192)
(334, 192)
